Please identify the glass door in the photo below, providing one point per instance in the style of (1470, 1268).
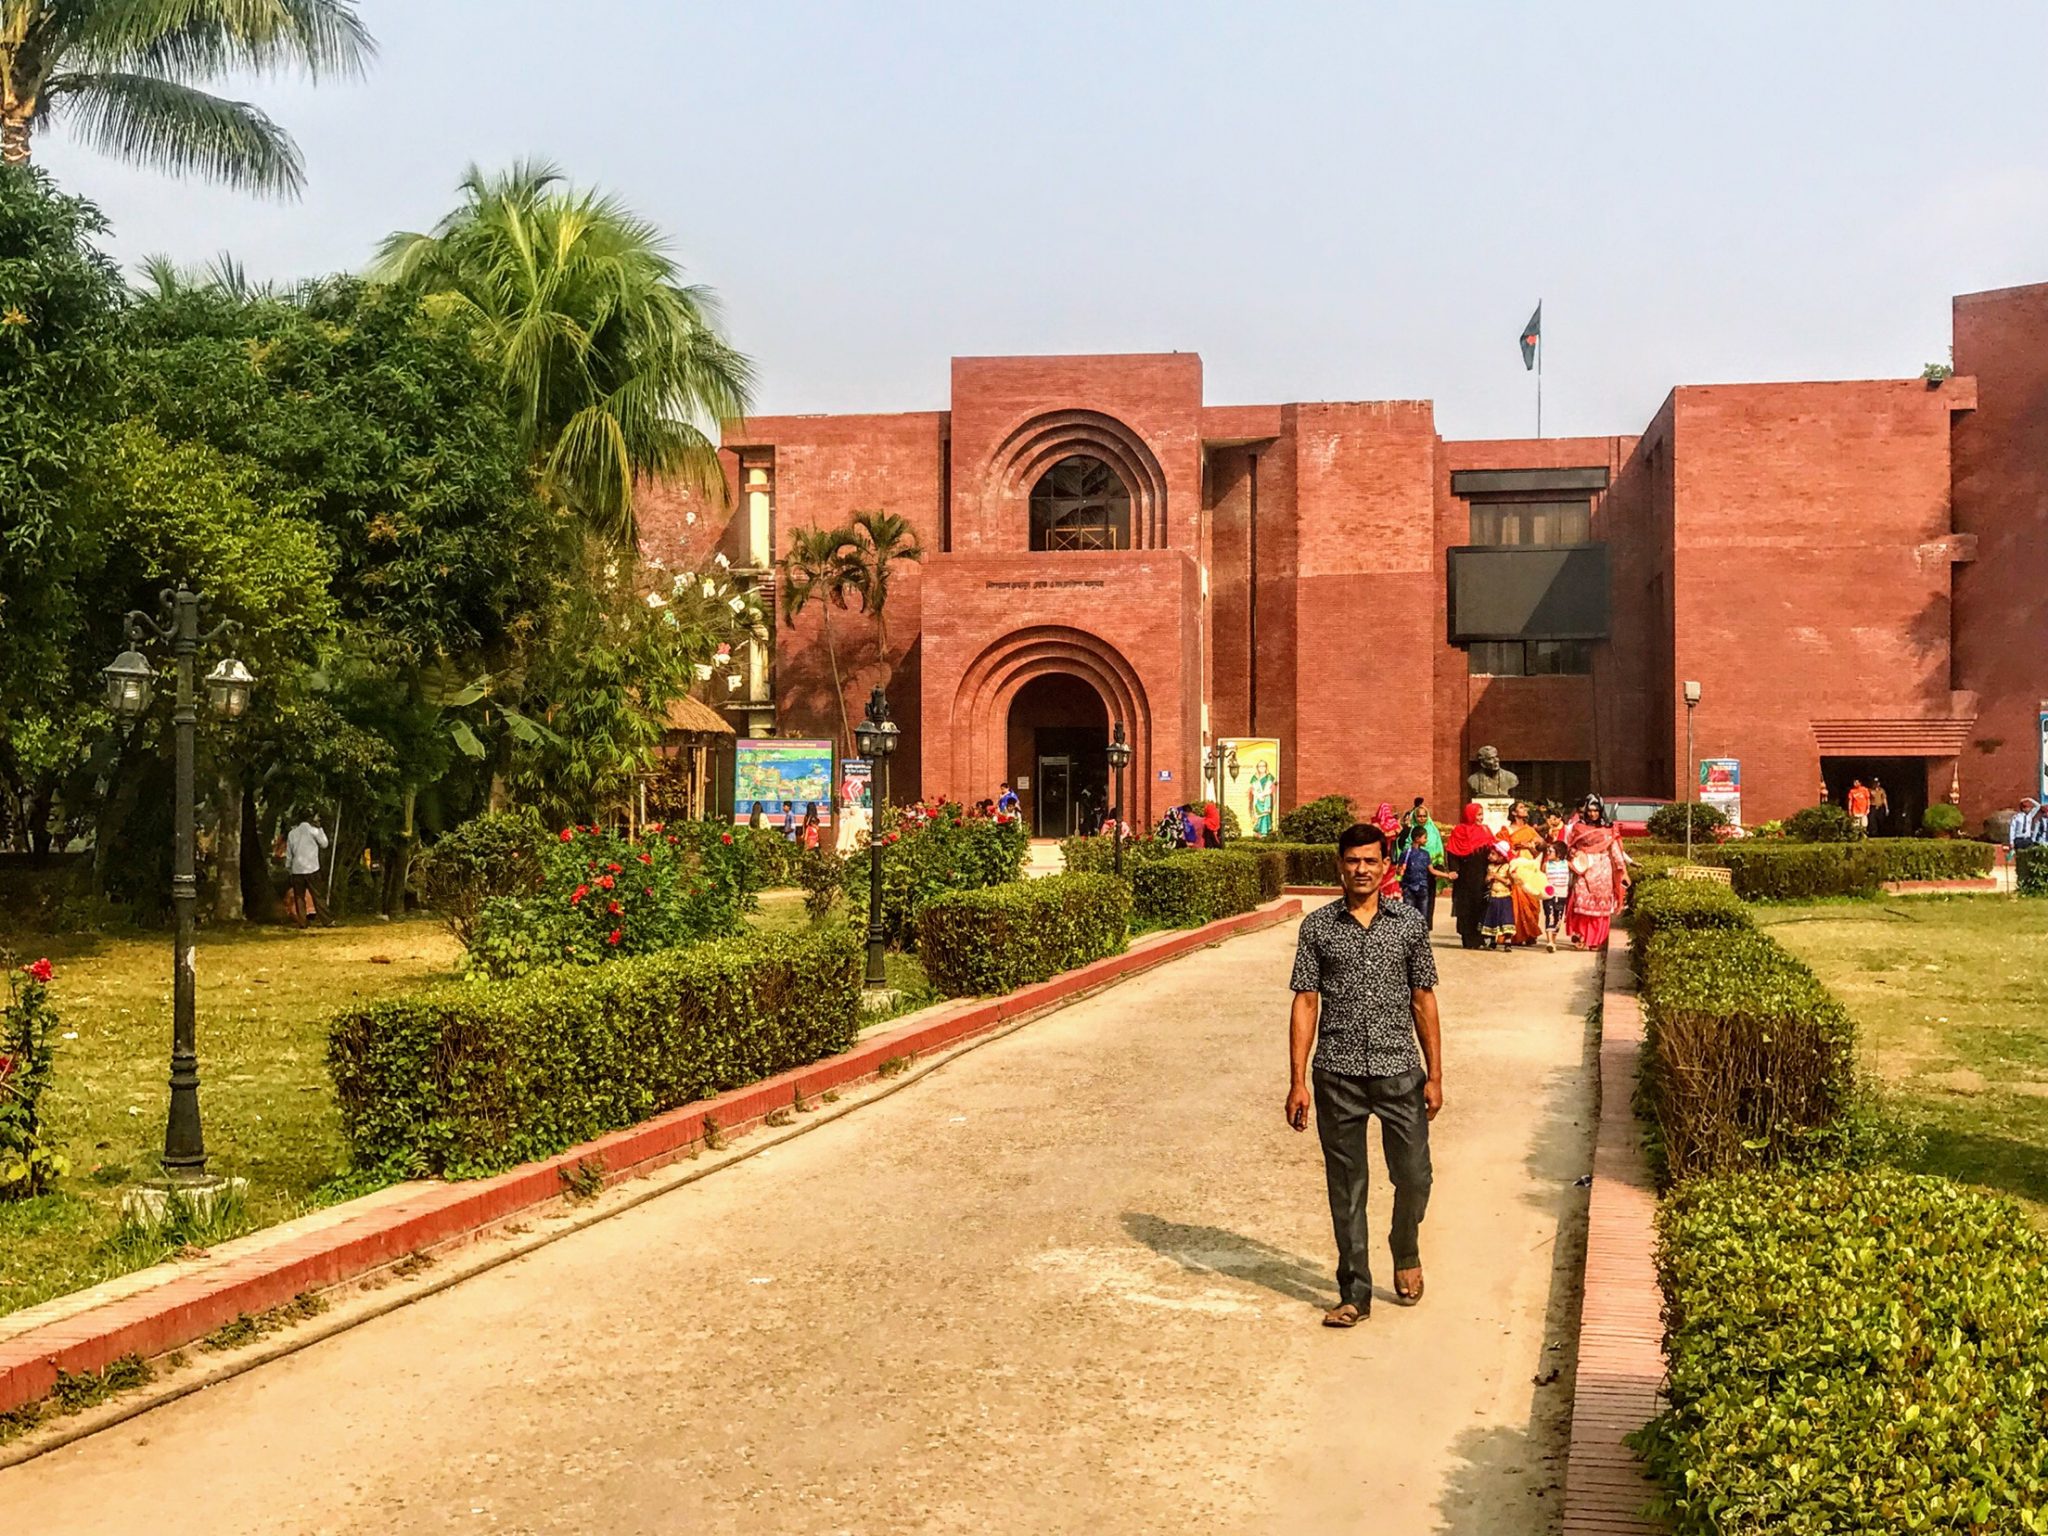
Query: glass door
(1055, 797)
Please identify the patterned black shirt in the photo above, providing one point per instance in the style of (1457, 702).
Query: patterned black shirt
(1366, 975)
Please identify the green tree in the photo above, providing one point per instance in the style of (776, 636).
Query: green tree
(120, 73)
(820, 568)
(613, 368)
(882, 542)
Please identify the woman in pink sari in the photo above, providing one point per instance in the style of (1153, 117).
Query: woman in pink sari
(1599, 876)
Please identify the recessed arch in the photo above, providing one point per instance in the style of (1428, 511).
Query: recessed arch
(981, 704)
(1039, 442)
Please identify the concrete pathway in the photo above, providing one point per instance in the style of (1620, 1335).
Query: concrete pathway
(1070, 1281)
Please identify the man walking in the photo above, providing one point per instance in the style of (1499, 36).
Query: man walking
(302, 847)
(1859, 808)
(1364, 996)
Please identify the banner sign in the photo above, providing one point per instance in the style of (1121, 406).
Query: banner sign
(1721, 786)
(782, 778)
(1254, 795)
(856, 784)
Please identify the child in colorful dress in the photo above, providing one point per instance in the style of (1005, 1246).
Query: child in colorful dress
(1557, 885)
(1498, 929)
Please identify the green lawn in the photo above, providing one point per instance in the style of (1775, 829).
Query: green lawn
(264, 998)
(264, 995)
(1952, 998)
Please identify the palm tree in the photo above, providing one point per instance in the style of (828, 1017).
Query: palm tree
(881, 540)
(120, 74)
(613, 367)
(820, 568)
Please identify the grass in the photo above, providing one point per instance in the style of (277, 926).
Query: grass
(264, 997)
(1951, 995)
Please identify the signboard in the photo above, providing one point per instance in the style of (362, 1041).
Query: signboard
(1254, 795)
(782, 778)
(1721, 786)
(2041, 791)
(1166, 775)
(856, 785)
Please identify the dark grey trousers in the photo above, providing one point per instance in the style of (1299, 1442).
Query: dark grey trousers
(1343, 1106)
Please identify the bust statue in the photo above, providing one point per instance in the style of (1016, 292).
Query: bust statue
(1490, 781)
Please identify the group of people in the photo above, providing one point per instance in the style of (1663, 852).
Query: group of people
(1518, 886)
(1191, 826)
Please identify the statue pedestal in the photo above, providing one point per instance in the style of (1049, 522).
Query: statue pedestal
(1493, 811)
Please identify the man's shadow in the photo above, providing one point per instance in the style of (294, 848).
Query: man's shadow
(1214, 1251)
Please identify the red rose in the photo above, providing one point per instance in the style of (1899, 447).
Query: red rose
(615, 909)
(605, 881)
(6, 1068)
(591, 865)
(616, 868)
(39, 971)
(655, 826)
(578, 894)
(723, 837)
(568, 833)
(614, 936)
(646, 858)
(890, 838)
(648, 892)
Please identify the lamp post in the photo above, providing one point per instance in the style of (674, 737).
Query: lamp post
(1692, 772)
(876, 736)
(1119, 759)
(1218, 760)
(128, 695)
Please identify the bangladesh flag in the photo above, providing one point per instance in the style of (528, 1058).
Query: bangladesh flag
(1532, 333)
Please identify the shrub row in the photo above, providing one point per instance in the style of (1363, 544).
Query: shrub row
(1276, 861)
(2032, 871)
(1308, 863)
(1851, 1352)
(1196, 887)
(1773, 870)
(950, 851)
(1748, 1058)
(1662, 904)
(1001, 937)
(472, 1077)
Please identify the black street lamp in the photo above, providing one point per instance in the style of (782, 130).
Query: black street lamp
(1119, 759)
(876, 736)
(1216, 761)
(129, 680)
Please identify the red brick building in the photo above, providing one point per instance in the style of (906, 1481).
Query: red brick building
(1854, 572)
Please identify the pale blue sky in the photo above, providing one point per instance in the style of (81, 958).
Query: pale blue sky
(1344, 201)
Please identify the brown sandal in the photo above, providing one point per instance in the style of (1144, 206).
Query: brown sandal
(1344, 1315)
(1408, 1298)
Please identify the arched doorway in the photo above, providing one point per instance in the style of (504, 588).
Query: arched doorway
(1058, 740)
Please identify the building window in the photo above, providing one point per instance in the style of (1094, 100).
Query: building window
(1532, 522)
(1080, 504)
(1530, 658)
(1561, 782)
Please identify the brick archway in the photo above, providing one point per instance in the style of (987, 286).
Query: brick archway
(981, 706)
(1039, 442)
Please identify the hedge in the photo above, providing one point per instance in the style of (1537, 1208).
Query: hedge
(2032, 872)
(472, 1077)
(1851, 1353)
(1662, 904)
(1748, 1058)
(1001, 937)
(1308, 863)
(1774, 869)
(1272, 864)
(1196, 887)
(1097, 855)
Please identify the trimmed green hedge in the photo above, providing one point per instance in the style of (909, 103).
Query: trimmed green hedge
(1001, 937)
(1272, 864)
(1307, 863)
(1097, 855)
(2031, 872)
(1776, 869)
(473, 1077)
(1748, 1058)
(1196, 887)
(1662, 904)
(1851, 1353)
(1932, 858)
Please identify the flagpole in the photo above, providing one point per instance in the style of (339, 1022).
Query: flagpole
(1540, 350)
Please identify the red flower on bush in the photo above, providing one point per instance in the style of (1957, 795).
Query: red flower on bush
(568, 833)
(578, 894)
(616, 869)
(6, 1068)
(605, 882)
(723, 837)
(891, 838)
(646, 858)
(614, 936)
(39, 970)
(649, 891)
(614, 909)
(655, 826)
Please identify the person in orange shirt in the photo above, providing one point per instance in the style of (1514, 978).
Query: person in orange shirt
(1859, 806)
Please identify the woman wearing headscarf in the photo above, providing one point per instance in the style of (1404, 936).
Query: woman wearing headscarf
(1599, 876)
(1467, 850)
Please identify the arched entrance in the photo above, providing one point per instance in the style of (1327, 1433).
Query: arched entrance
(1057, 741)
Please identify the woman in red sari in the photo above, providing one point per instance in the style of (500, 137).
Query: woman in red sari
(1599, 876)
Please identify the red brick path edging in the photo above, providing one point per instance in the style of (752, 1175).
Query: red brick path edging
(1621, 1335)
(194, 1299)
(1937, 887)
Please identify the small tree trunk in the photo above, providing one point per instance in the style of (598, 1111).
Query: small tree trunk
(838, 687)
(227, 846)
(14, 137)
(259, 896)
(398, 860)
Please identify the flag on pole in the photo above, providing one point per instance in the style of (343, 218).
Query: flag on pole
(1532, 336)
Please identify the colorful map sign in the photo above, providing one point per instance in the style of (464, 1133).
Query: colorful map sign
(781, 777)
(1254, 795)
(1721, 786)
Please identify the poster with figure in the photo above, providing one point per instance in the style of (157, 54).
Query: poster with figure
(1721, 786)
(1254, 795)
(856, 784)
(782, 778)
